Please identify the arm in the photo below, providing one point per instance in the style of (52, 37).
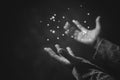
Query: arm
(106, 50)
(82, 69)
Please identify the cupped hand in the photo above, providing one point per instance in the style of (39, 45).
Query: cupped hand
(82, 34)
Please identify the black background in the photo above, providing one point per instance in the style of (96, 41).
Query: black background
(24, 58)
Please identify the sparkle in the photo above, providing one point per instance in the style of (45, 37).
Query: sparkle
(53, 31)
(58, 20)
(48, 39)
(58, 27)
(88, 13)
(53, 19)
(85, 21)
(63, 17)
(58, 38)
(50, 30)
(72, 37)
(40, 21)
(48, 24)
(68, 8)
(81, 6)
(88, 27)
(54, 14)
(63, 34)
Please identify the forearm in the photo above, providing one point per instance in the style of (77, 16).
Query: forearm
(107, 50)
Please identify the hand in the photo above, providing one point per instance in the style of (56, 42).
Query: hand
(66, 56)
(82, 34)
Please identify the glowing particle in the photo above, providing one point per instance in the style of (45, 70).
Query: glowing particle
(81, 6)
(85, 21)
(48, 24)
(53, 31)
(40, 21)
(48, 39)
(88, 13)
(58, 38)
(58, 20)
(68, 8)
(58, 27)
(88, 27)
(53, 19)
(63, 17)
(63, 34)
(54, 14)
(72, 37)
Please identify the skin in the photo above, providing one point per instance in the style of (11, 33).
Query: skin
(82, 34)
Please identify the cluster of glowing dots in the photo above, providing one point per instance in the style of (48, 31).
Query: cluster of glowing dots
(52, 18)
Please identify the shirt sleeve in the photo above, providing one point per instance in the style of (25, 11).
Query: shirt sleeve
(106, 50)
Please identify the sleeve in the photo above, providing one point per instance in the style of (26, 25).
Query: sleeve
(90, 73)
(106, 50)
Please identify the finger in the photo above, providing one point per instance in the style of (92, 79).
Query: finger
(97, 23)
(70, 51)
(51, 52)
(57, 57)
(69, 57)
(79, 26)
(58, 47)
(66, 26)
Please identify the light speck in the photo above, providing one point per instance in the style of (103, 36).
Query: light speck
(63, 17)
(88, 13)
(88, 27)
(81, 6)
(68, 8)
(48, 39)
(58, 38)
(54, 14)
(50, 30)
(85, 21)
(53, 19)
(58, 27)
(58, 20)
(53, 31)
(63, 34)
(40, 21)
(48, 24)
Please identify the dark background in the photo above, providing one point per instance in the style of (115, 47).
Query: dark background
(24, 58)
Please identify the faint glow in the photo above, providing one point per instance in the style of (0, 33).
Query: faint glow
(68, 8)
(40, 21)
(63, 34)
(48, 24)
(58, 27)
(63, 17)
(58, 20)
(53, 19)
(81, 6)
(72, 37)
(88, 13)
(54, 14)
(85, 21)
(50, 30)
(88, 27)
(53, 31)
(48, 39)
(58, 38)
